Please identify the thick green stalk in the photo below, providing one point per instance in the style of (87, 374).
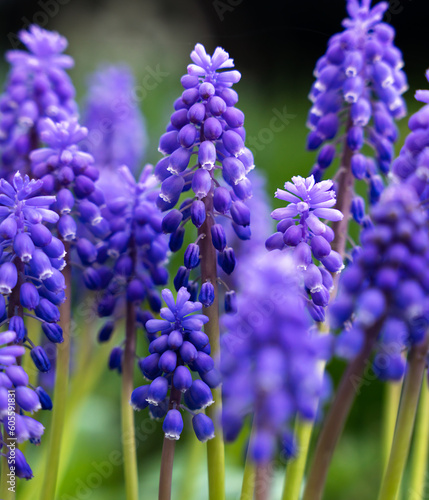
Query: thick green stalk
(262, 482)
(295, 469)
(34, 333)
(60, 391)
(215, 446)
(404, 428)
(194, 459)
(337, 416)
(127, 412)
(167, 457)
(419, 461)
(345, 190)
(248, 486)
(392, 396)
(303, 431)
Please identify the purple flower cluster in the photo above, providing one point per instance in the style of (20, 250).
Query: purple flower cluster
(69, 173)
(359, 86)
(15, 389)
(246, 249)
(412, 164)
(180, 347)
(117, 134)
(37, 87)
(31, 261)
(208, 127)
(269, 357)
(301, 230)
(128, 263)
(384, 291)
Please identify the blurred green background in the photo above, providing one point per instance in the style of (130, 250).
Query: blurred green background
(275, 45)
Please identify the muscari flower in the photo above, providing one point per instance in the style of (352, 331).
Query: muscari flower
(31, 257)
(28, 398)
(205, 137)
(269, 357)
(358, 95)
(301, 231)
(385, 289)
(179, 349)
(129, 263)
(117, 134)
(69, 172)
(412, 164)
(37, 87)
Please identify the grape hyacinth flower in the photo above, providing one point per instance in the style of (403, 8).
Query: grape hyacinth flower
(205, 136)
(269, 357)
(69, 172)
(117, 134)
(129, 263)
(179, 349)
(37, 87)
(14, 387)
(383, 293)
(301, 232)
(250, 243)
(31, 260)
(359, 86)
(412, 164)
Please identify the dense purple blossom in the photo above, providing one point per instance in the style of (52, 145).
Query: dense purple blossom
(129, 262)
(358, 95)
(301, 232)
(269, 357)
(206, 136)
(37, 87)
(386, 286)
(13, 379)
(179, 349)
(117, 134)
(412, 164)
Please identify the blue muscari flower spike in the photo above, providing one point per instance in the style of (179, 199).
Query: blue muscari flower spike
(301, 232)
(117, 134)
(384, 291)
(269, 357)
(28, 399)
(130, 262)
(180, 347)
(206, 135)
(412, 164)
(37, 87)
(359, 86)
(26, 244)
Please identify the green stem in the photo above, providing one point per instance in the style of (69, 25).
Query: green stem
(167, 457)
(337, 416)
(295, 468)
(262, 482)
(248, 485)
(34, 333)
(392, 396)
(421, 445)
(193, 463)
(127, 412)
(303, 432)
(215, 446)
(345, 190)
(60, 391)
(404, 428)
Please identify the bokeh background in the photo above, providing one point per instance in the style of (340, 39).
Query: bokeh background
(275, 45)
